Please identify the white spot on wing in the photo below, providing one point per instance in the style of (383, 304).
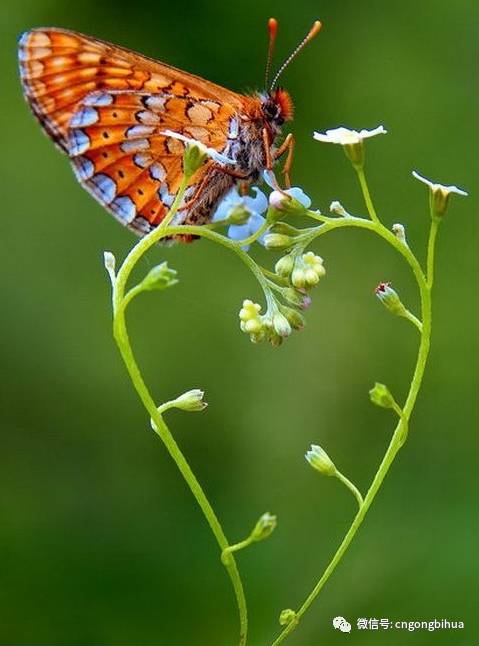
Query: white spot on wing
(165, 196)
(84, 117)
(156, 103)
(125, 208)
(158, 171)
(103, 187)
(78, 142)
(84, 168)
(139, 131)
(148, 117)
(142, 159)
(135, 145)
(98, 99)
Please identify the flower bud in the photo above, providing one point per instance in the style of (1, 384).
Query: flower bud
(338, 209)
(284, 266)
(249, 311)
(292, 202)
(281, 325)
(380, 396)
(191, 401)
(277, 241)
(390, 299)
(109, 261)
(297, 297)
(438, 195)
(307, 271)
(160, 277)
(251, 320)
(285, 228)
(399, 232)
(194, 158)
(287, 616)
(295, 319)
(320, 460)
(264, 527)
(239, 214)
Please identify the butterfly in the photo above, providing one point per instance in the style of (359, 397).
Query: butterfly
(124, 119)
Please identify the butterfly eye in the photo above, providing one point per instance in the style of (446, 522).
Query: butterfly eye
(271, 110)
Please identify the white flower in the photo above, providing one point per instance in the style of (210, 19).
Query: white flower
(255, 205)
(347, 137)
(210, 152)
(439, 194)
(439, 187)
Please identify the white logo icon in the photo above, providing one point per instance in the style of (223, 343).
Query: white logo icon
(341, 624)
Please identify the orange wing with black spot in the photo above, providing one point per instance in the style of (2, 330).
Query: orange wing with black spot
(107, 108)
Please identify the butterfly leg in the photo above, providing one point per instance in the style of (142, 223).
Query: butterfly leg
(269, 160)
(287, 145)
(243, 188)
(236, 174)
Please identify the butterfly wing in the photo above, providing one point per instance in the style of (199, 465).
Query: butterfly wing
(106, 107)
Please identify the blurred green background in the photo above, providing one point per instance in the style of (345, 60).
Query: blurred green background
(100, 540)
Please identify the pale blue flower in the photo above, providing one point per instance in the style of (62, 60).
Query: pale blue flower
(298, 194)
(255, 205)
(295, 192)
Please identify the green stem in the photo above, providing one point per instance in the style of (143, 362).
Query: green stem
(414, 320)
(354, 490)
(366, 194)
(431, 246)
(120, 301)
(396, 442)
(401, 430)
(235, 548)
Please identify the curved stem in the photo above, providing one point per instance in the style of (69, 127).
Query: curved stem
(120, 302)
(400, 433)
(397, 441)
(413, 319)
(352, 488)
(121, 337)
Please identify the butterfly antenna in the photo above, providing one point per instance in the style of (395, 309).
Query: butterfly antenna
(272, 30)
(309, 36)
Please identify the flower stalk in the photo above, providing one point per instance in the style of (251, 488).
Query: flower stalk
(286, 292)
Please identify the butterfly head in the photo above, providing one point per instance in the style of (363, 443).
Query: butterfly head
(277, 107)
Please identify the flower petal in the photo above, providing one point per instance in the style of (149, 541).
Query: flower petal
(346, 136)
(239, 231)
(258, 203)
(229, 201)
(298, 194)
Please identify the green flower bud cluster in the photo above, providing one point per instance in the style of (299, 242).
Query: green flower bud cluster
(304, 272)
(274, 326)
